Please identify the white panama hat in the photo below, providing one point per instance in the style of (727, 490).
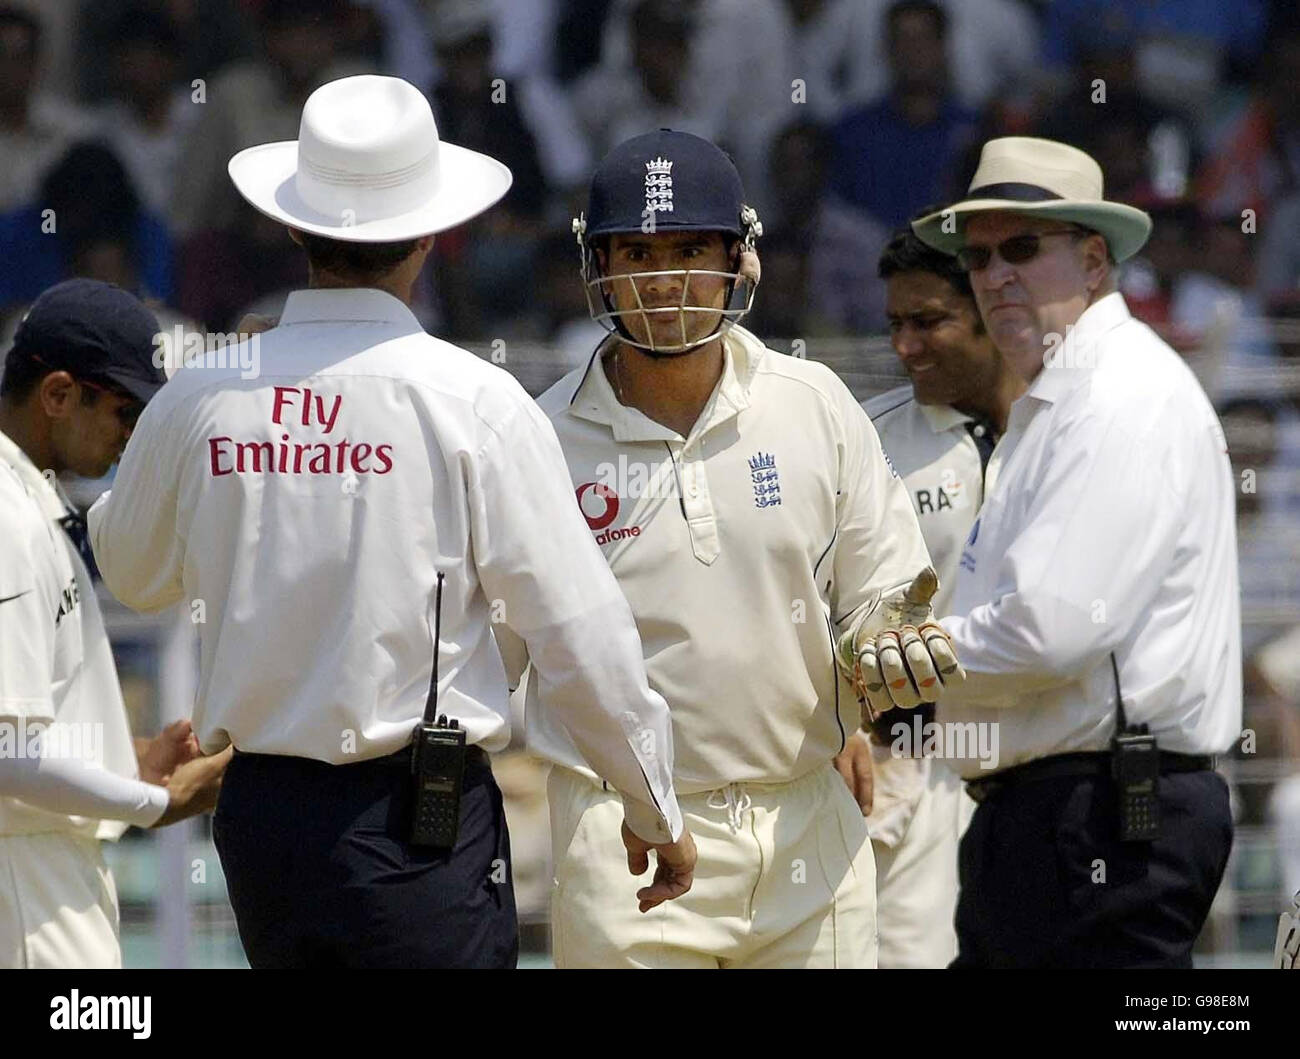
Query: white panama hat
(1041, 178)
(368, 167)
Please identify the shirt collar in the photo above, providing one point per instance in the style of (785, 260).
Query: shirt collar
(346, 305)
(943, 417)
(1078, 354)
(594, 398)
(44, 489)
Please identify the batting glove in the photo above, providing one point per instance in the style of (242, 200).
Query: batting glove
(896, 654)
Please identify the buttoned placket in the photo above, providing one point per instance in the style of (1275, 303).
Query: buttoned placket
(688, 454)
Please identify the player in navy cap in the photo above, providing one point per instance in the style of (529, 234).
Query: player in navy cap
(104, 339)
(80, 371)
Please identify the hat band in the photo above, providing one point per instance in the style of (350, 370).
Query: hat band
(1013, 191)
(393, 178)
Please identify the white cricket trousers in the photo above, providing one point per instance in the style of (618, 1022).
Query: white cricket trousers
(785, 878)
(58, 903)
(916, 863)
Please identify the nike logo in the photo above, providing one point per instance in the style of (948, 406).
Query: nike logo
(6, 599)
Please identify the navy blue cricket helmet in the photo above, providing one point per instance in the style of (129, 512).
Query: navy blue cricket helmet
(665, 181)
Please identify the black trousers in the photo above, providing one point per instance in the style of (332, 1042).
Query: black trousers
(320, 874)
(1045, 882)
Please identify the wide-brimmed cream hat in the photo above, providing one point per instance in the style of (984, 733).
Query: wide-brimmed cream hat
(368, 167)
(1042, 178)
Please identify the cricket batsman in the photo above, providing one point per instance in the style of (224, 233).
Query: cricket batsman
(774, 567)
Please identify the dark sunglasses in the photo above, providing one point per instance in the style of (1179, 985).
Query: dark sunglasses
(1014, 251)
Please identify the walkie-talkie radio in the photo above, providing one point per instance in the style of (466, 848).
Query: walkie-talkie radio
(1135, 765)
(437, 763)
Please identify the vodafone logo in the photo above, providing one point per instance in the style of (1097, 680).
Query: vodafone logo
(601, 508)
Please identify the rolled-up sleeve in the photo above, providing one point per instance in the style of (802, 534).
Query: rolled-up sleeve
(535, 555)
(1097, 538)
(133, 527)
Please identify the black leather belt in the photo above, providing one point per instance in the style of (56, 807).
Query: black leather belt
(476, 760)
(1094, 763)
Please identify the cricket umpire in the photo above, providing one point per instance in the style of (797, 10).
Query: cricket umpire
(1096, 607)
(351, 522)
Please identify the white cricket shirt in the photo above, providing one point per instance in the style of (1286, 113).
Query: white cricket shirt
(939, 462)
(308, 511)
(1107, 525)
(743, 549)
(56, 665)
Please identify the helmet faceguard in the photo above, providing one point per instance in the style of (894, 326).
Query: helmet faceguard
(601, 303)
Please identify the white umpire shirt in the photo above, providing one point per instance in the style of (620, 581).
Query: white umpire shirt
(305, 513)
(743, 549)
(58, 686)
(1107, 526)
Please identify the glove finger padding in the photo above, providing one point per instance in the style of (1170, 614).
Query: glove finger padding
(869, 684)
(893, 667)
(938, 645)
(925, 677)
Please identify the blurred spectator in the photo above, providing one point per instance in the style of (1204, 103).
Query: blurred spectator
(782, 305)
(1214, 301)
(1268, 534)
(1179, 47)
(993, 48)
(840, 242)
(257, 101)
(87, 220)
(58, 20)
(146, 120)
(247, 267)
(1255, 158)
(735, 77)
(1147, 280)
(893, 157)
(404, 42)
(474, 111)
(834, 49)
(482, 267)
(210, 35)
(615, 102)
(35, 128)
(518, 72)
(561, 316)
(1100, 108)
(578, 33)
(1279, 252)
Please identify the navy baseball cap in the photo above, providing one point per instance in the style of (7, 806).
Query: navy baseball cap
(687, 183)
(94, 330)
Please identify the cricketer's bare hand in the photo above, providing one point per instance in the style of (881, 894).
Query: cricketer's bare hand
(853, 763)
(674, 870)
